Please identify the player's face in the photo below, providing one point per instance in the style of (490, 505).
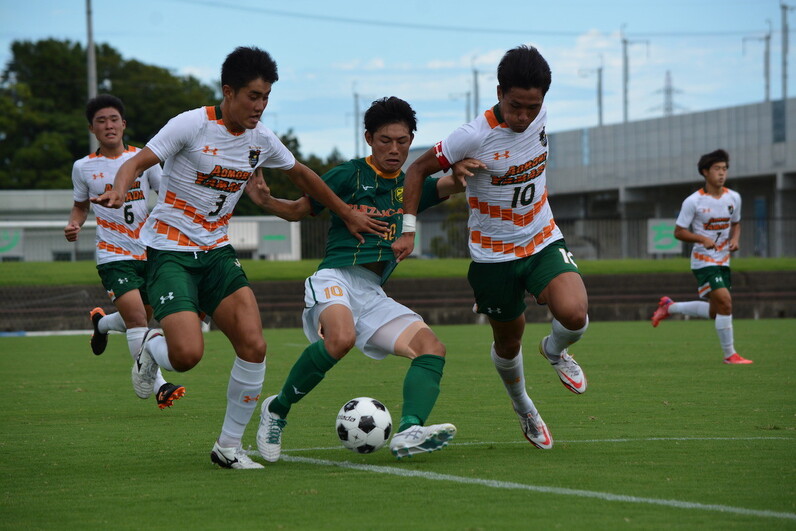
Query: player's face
(389, 146)
(520, 106)
(245, 107)
(716, 175)
(108, 127)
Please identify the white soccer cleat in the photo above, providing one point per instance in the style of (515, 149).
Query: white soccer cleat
(269, 434)
(568, 370)
(419, 439)
(232, 458)
(144, 368)
(535, 430)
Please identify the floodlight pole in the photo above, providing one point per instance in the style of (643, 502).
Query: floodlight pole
(91, 67)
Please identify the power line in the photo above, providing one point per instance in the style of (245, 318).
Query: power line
(435, 27)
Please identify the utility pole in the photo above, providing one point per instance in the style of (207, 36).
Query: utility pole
(766, 58)
(476, 103)
(599, 72)
(91, 67)
(356, 123)
(626, 69)
(785, 8)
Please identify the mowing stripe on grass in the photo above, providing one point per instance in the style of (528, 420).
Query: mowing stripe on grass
(495, 484)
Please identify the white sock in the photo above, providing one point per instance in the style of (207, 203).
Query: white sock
(134, 338)
(724, 330)
(159, 351)
(112, 321)
(691, 309)
(159, 380)
(561, 338)
(513, 376)
(243, 392)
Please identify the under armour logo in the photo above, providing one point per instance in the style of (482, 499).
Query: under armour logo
(99, 175)
(211, 151)
(505, 155)
(247, 398)
(168, 297)
(123, 281)
(493, 310)
(296, 390)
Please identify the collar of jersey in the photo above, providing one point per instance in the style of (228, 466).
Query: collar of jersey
(99, 154)
(393, 175)
(219, 119)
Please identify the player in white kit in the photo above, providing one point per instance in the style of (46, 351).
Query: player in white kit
(515, 244)
(710, 218)
(209, 154)
(121, 257)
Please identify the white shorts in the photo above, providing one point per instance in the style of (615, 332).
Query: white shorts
(360, 291)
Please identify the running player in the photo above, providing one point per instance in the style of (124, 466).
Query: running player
(121, 257)
(515, 244)
(345, 303)
(209, 155)
(710, 218)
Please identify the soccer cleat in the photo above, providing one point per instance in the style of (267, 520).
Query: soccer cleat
(568, 370)
(144, 368)
(269, 434)
(736, 359)
(232, 458)
(418, 439)
(168, 394)
(535, 430)
(662, 312)
(98, 340)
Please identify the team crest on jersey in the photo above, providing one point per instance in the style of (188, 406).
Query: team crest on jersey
(730, 208)
(398, 194)
(543, 137)
(254, 157)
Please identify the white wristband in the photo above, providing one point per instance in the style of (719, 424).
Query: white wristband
(410, 223)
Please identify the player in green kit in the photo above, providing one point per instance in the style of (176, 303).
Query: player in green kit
(345, 304)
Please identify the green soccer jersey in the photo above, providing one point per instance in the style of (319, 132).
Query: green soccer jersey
(362, 186)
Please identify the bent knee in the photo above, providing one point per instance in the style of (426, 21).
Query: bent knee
(339, 345)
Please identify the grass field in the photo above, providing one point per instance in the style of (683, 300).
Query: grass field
(665, 437)
(85, 272)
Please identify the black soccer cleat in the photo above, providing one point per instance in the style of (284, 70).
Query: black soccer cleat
(98, 340)
(168, 393)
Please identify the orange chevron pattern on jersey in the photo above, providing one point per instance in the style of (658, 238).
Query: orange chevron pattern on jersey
(507, 214)
(174, 234)
(118, 227)
(105, 246)
(511, 249)
(188, 210)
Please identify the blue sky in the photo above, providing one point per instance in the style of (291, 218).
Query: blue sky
(425, 52)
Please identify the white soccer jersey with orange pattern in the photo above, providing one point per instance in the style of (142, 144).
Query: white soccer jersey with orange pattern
(118, 229)
(709, 216)
(205, 172)
(510, 216)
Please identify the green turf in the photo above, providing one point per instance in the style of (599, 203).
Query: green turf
(70, 273)
(663, 419)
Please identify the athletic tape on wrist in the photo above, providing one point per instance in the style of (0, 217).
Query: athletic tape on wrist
(410, 223)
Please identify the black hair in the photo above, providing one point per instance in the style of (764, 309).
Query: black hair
(245, 64)
(709, 159)
(100, 102)
(385, 111)
(524, 67)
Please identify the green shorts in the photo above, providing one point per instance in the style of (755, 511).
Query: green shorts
(499, 288)
(181, 281)
(122, 276)
(711, 278)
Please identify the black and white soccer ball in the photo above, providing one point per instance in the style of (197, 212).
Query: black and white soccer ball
(364, 425)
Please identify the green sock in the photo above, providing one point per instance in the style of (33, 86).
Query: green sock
(421, 389)
(307, 372)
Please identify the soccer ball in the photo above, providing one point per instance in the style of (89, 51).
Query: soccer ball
(364, 425)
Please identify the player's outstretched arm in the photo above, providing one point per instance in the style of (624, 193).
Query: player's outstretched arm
(357, 222)
(456, 181)
(260, 194)
(77, 217)
(125, 178)
(421, 168)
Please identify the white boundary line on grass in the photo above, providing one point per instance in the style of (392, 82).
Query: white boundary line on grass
(491, 483)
